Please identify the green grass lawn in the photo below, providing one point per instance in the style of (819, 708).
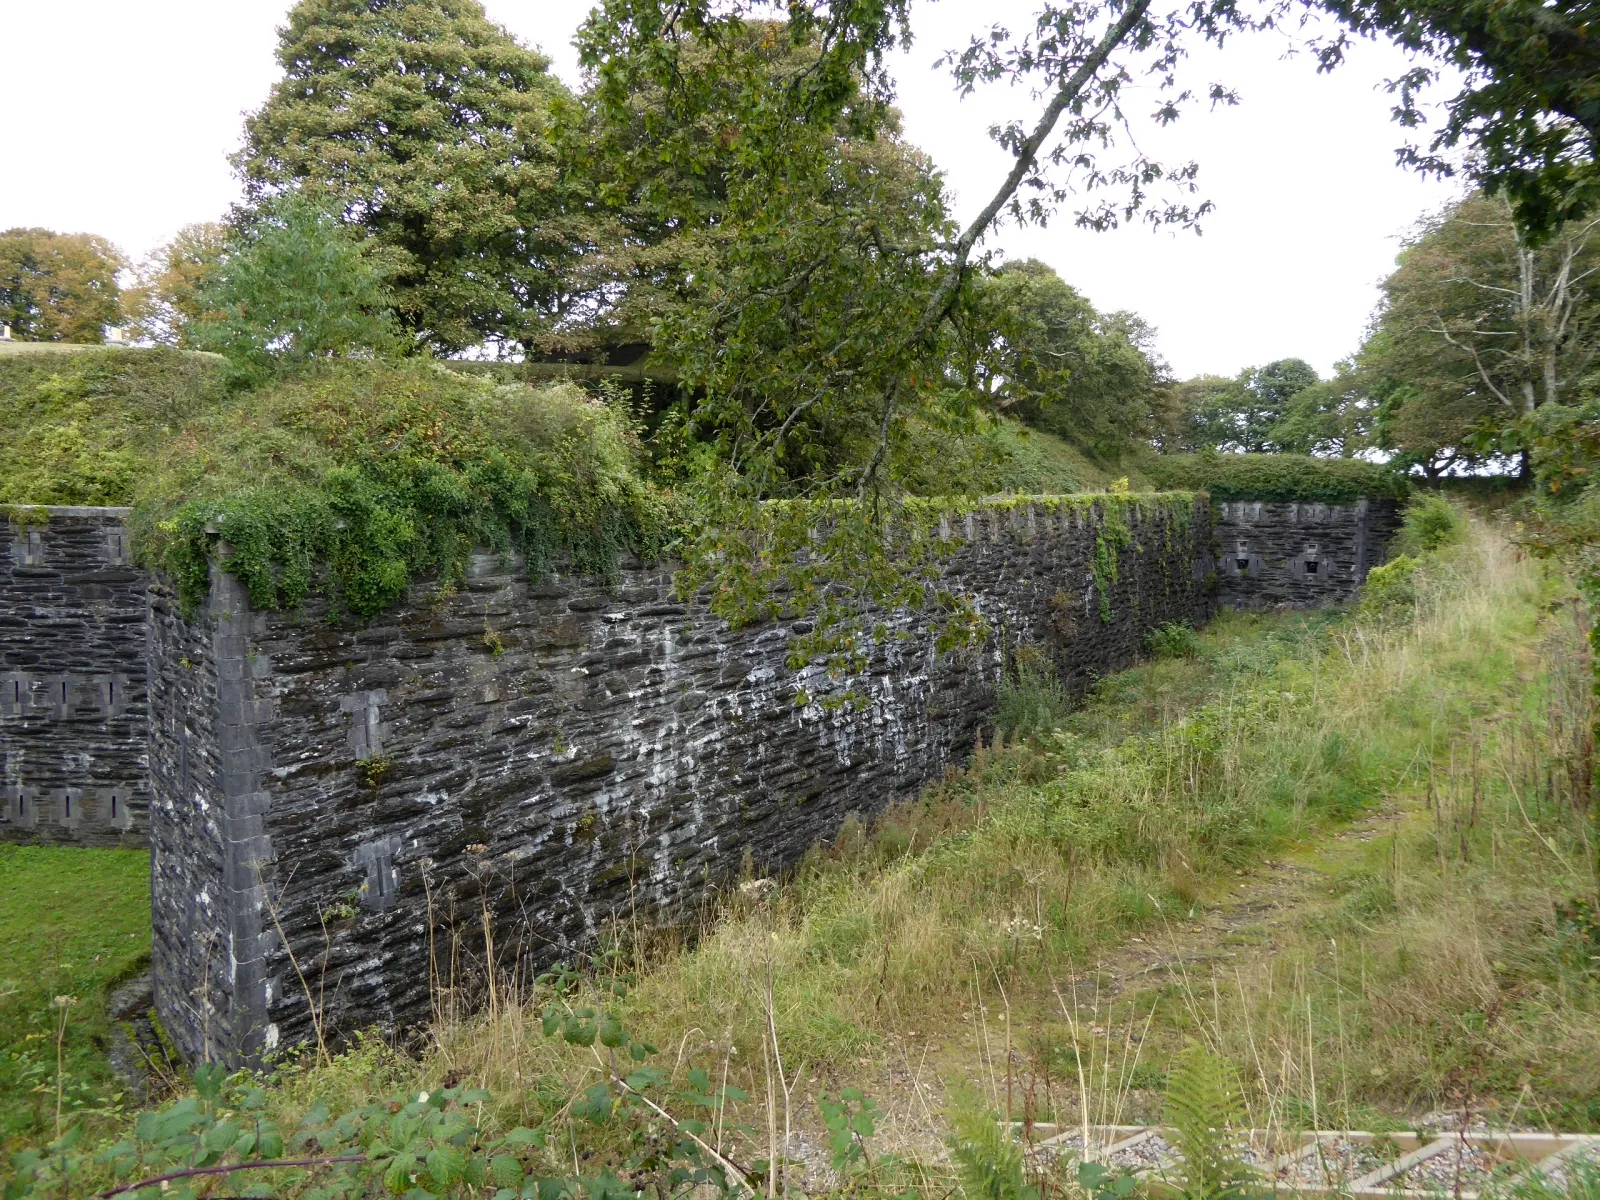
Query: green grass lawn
(73, 923)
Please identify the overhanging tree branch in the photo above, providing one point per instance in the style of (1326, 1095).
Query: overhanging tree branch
(944, 296)
(1027, 158)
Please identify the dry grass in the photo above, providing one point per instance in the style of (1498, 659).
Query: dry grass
(1418, 961)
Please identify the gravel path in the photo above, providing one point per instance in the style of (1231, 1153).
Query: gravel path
(1154, 1153)
(1336, 1163)
(1461, 1165)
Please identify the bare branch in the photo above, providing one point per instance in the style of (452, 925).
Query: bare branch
(193, 1172)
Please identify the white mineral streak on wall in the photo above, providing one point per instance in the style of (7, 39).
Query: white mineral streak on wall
(613, 752)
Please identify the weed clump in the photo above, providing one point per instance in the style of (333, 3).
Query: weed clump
(1172, 640)
(1205, 1107)
(989, 1159)
(1031, 699)
(1431, 523)
(1391, 586)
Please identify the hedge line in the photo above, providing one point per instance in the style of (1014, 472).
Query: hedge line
(1277, 477)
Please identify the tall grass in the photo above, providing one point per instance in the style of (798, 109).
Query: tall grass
(1453, 964)
(1037, 856)
(1441, 954)
(973, 899)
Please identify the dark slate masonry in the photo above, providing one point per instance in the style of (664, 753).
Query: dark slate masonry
(563, 753)
(1298, 555)
(73, 738)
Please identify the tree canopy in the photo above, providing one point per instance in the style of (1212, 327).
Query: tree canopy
(1248, 414)
(1047, 356)
(58, 287)
(429, 128)
(165, 302)
(291, 287)
(1479, 327)
(1329, 418)
(1528, 112)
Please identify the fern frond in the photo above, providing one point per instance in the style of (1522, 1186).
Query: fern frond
(990, 1159)
(1205, 1107)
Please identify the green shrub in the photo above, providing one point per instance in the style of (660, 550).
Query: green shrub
(1431, 522)
(1277, 477)
(1393, 585)
(82, 428)
(352, 479)
(1172, 640)
(431, 1143)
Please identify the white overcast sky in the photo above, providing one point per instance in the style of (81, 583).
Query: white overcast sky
(120, 117)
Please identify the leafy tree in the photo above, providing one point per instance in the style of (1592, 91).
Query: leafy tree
(1055, 362)
(58, 287)
(291, 287)
(823, 322)
(1528, 112)
(1329, 418)
(783, 256)
(1426, 416)
(1177, 410)
(428, 127)
(661, 223)
(1244, 413)
(1480, 327)
(164, 302)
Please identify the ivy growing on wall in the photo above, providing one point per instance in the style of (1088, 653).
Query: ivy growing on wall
(353, 479)
(1110, 540)
(782, 558)
(25, 516)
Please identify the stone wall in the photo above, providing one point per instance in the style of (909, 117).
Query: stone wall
(560, 753)
(1298, 555)
(72, 679)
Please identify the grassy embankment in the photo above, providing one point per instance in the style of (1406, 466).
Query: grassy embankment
(87, 428)
(1426, 941)
(73, 923)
